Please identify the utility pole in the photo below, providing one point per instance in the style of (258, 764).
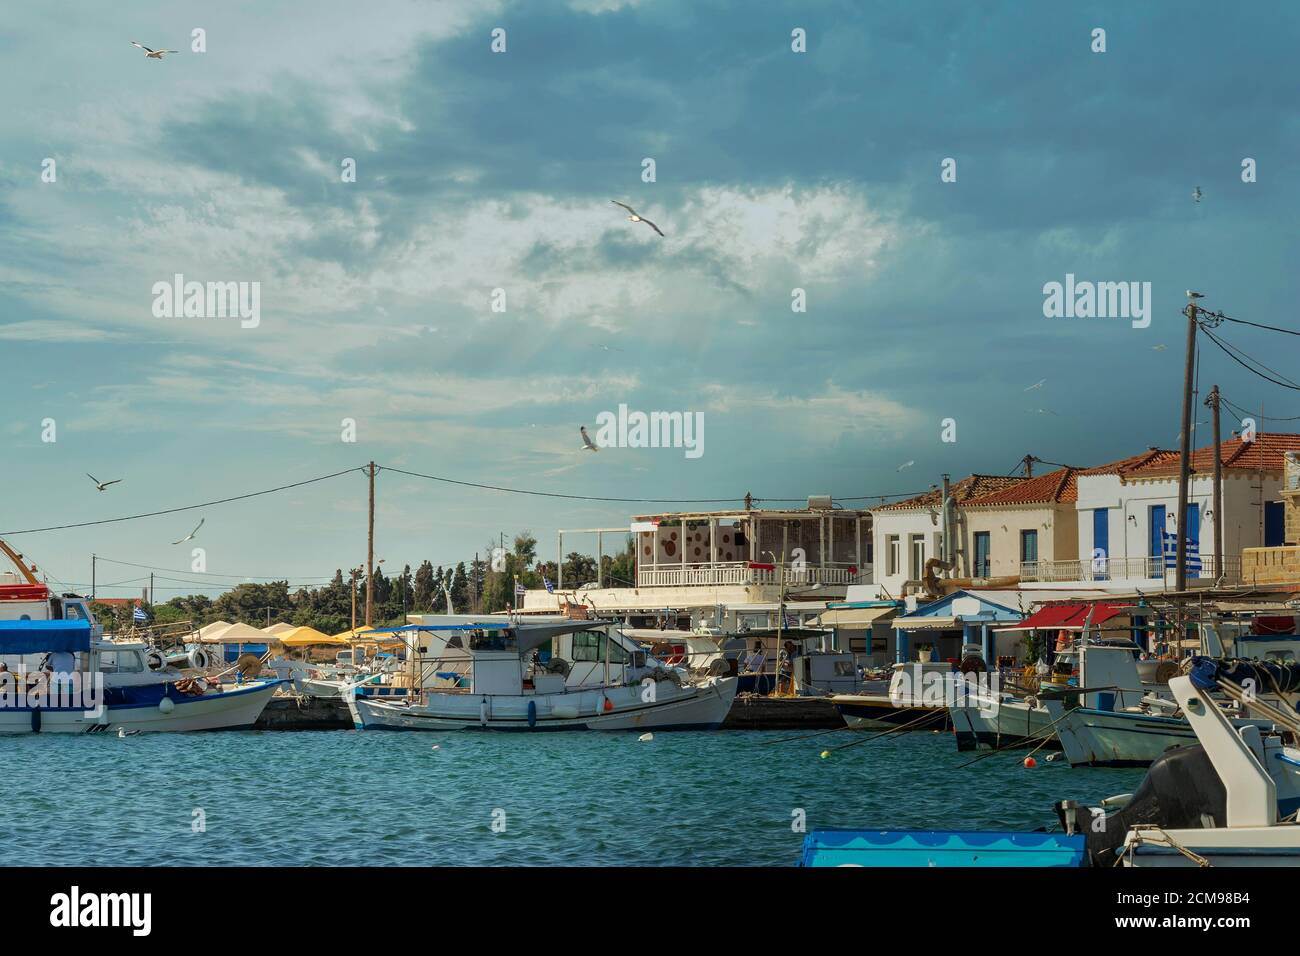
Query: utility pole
(1213, 402)
(92, 576)
(151, 587)
(1029, 465)
(1185, 456)
(370, 547)
(353, 589)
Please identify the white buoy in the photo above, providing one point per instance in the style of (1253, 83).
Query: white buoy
(644, 737)
(121, 732)
(435, 746)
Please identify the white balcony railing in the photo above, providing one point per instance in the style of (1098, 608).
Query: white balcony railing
(740, 573)
(1127, 569)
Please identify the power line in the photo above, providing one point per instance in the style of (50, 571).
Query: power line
(1223, 347)
(1245, 355)
(215, 574)
(1244, 413)
(1271, 328)
(169, 511)
(671, 501)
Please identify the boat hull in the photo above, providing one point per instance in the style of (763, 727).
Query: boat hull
(878, 712)
(228, 710)
(1101, 738)
(941, 848)
(697, 707)
(1010, 724)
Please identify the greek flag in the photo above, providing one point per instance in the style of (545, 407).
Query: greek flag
(139, 614)
(1171, 552)
(549, 586)
(520, 590)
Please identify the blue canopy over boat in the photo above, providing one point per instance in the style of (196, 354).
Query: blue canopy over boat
(37, 637)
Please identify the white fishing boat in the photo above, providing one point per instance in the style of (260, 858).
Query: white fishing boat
(1253, 832)
(918, 696)
(58, 679)
(477, 673)
(58, 674)
(1108, 684)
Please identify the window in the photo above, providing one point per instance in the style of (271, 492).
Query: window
(891, 554)
(492, 640)
(590, 646)
(916, 553)
(121, 662)
(981, 569)
(1029, 546)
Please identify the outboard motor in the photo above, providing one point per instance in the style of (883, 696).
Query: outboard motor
(1180, 791)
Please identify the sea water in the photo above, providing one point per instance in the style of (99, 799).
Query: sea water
(321, 798)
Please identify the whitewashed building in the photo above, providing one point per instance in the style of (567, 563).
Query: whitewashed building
(726, 567)
(1127, 518)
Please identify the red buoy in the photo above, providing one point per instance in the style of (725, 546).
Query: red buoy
(1030, 763)
(609, 704)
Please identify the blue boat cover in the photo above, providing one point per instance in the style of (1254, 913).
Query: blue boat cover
(1206, 672)
(37, 637)
(960, 848)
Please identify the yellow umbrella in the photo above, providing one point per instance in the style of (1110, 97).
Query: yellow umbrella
(307, 636)
(366, 635)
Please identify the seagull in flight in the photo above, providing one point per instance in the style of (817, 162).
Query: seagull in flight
(1159, 348)
(1196, 194)
(1039, 384)
(906, 464)
(633, 217)
(153, 54)
(101, 485)
(190, 536)
(587, 443)
(1043, 411)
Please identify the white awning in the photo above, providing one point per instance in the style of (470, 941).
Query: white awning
(854, 616)
(927, 624)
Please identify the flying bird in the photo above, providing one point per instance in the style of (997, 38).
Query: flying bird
(1039, 384)
(1159, 348)
(153, 54)
(101, 485)
(190, 536)
(1043, 411)
(1196, 194)
(587, 443)
(633, 217)
(906, 464)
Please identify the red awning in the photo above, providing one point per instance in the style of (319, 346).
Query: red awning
(1071, 617)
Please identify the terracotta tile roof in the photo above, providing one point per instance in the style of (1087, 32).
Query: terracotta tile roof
(1055, 486)
(1263, 454)
(1062, 486)
(1149, 458)
(972, 486)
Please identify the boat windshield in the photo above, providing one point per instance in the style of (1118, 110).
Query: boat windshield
(493, 640)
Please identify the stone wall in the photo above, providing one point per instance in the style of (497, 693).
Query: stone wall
(1271, 565)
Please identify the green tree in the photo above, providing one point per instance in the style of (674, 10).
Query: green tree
(423, 597)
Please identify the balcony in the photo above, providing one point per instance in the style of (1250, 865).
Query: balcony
(1127, 569)
(742, 574)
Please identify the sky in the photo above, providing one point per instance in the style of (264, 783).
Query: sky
(774, 170)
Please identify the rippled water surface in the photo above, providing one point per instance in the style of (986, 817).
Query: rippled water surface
(347, 797)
